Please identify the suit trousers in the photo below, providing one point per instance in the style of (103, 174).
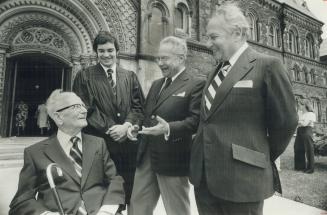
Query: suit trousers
(148, 186)
(209, 204)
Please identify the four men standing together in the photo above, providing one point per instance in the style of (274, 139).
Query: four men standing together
(243, 116)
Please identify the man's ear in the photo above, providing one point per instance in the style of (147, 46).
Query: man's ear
(57, 118)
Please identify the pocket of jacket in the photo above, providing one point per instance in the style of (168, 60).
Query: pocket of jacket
(249, 156)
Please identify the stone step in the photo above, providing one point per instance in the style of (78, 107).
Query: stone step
(11, 156)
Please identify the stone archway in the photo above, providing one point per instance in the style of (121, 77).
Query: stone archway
(62, 29)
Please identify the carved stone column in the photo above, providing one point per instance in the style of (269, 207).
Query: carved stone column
(2, 74)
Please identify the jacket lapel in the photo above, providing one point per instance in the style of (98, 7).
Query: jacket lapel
(55, 152)
(152, 98)
(242, 66)
(178, 83)
(121, 84)
(100, 76)
(89, 150)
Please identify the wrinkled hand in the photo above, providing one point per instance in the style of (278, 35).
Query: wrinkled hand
(132, 132)
(118, 132)
(160, 128)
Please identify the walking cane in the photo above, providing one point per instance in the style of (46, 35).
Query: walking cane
(53, 186)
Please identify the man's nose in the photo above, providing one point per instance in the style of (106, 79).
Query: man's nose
(209, 43)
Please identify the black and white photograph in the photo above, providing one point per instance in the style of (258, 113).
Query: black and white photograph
(163, 107)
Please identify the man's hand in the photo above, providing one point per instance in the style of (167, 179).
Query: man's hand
(132, 132)
(118, 132)
(161, 128)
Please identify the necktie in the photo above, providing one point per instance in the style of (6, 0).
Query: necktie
(167, 83)
(111, 81)
(210, 92)
(76, 155)
(77, 159)
(165, 86)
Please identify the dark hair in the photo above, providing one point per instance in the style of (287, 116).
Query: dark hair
(104, 37)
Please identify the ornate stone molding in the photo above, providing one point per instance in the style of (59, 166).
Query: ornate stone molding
(121, 17)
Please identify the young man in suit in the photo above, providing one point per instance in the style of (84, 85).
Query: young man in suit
(114, 99)
(89, 184)
(247, 119)
(171, 117)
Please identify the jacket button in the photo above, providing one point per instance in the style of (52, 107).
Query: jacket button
(153, 116)
(118, 114)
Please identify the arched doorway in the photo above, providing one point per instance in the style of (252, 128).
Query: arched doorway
(32, 78)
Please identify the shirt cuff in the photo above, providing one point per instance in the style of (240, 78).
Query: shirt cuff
(129, 124)
(109, 208)
(168, 133)
(45, 213)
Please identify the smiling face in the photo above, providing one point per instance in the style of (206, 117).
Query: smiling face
(107, 54)
(169, 62)
(222, 41)
(72, 115)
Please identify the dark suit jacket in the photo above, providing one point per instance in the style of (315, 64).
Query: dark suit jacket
(104, 109)
(179, 105)
(245, 130)
(100, 185)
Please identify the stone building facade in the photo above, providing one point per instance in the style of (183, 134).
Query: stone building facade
(54, 37)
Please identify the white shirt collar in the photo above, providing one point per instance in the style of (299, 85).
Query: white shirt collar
(177, 74)
(113, 68)
(237, 54)
(64, 141)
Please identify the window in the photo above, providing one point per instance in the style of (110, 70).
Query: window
(313, 76)
(317, 108)
(254, 27)
(182, 19)
(292, 41)
(297, 73)
(273, 39)
(309, 46)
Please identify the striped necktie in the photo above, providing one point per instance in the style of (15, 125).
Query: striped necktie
(211, 91)
(77, 158)
(76, 155)
(111, 81)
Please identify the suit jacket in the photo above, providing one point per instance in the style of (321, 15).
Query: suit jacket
(99, 185)
(179, 105)
(249, 125)
(104, 109)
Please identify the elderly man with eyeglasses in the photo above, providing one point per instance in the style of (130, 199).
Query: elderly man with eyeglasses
(89, 183)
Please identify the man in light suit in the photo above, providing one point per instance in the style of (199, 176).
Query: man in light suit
(171, 117)
(247, 119)
(89, 185)
(114, 99)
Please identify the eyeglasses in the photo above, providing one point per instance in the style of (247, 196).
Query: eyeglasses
(74, 107)
(166, 58)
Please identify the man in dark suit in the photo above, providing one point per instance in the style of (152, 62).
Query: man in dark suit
(171, 117)
(114, 99)
(89, 183)
(247, 119)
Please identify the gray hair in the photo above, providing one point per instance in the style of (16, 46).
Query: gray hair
(57, 100)
(178, 44)
(233, 18)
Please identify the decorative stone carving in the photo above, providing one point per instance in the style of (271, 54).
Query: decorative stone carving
(121, 17)
(42, 37)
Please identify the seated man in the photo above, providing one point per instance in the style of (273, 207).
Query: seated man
(89, 185)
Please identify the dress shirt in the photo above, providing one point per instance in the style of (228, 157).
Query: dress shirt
(114, 71)
(236, 55)
(66, 145)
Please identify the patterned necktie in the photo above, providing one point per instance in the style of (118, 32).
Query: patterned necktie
(77, 158)
(111, 81)
(211, 91)
(76, 155)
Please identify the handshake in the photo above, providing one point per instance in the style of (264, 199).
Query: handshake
(162, 127)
